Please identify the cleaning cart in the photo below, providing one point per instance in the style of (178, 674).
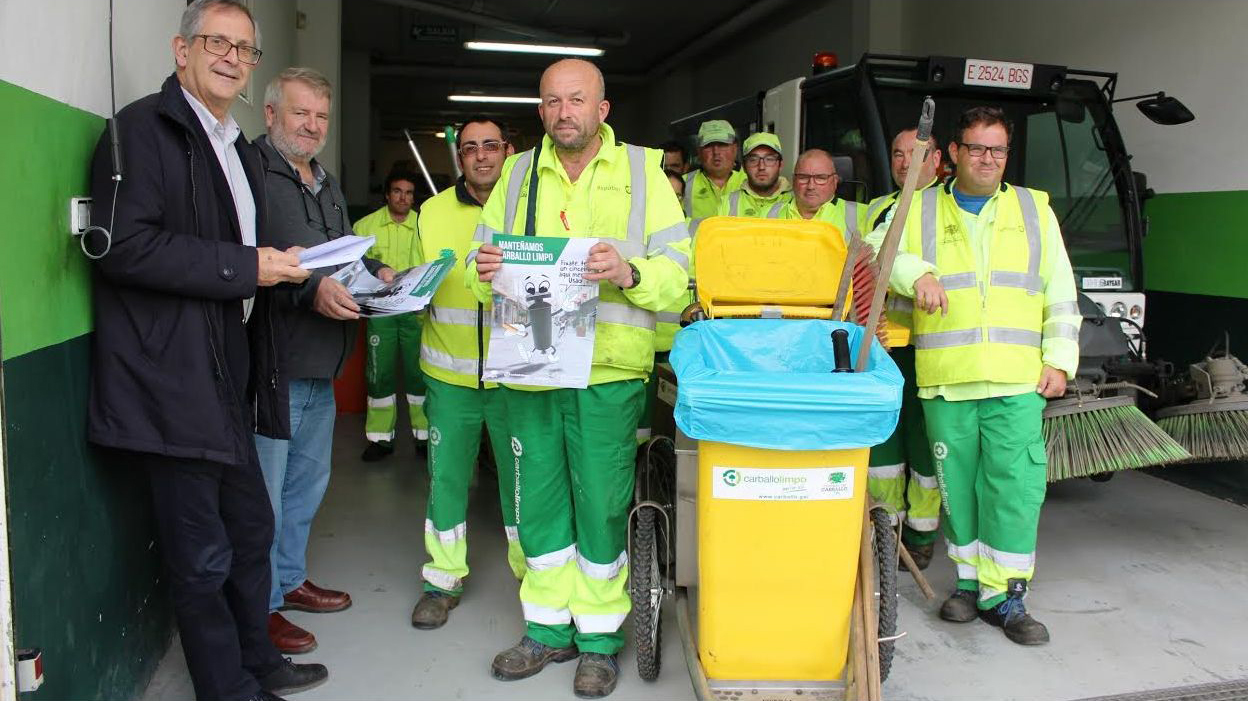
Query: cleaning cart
(783, 577)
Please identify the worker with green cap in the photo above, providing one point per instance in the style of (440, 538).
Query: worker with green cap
(996, 331)
(814, 196)
(397, 337)
(900, 473)
(717, 174)
(764, 192)
(573, 449)
(459, 404)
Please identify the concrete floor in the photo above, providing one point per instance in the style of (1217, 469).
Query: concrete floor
(1141, 582)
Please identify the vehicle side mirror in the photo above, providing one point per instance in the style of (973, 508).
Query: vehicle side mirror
(1165, 110)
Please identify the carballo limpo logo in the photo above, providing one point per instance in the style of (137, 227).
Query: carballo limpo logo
(939, 450)
(516, 449)
(731, 478)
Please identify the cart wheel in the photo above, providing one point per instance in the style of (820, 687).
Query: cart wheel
(885, 542)
(647, 592)
(656, 481)
(1101, 477)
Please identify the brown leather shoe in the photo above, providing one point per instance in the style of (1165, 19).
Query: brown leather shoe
(311, 598)
(288, 638)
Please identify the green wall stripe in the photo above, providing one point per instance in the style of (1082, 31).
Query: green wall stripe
(44, 278)
(1197, 243)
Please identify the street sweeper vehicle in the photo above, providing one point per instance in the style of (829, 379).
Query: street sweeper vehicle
(1067, 143)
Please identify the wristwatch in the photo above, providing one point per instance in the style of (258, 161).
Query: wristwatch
(636, 276)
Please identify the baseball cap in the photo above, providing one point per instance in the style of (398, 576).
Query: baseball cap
(761, 139)
(716, 131)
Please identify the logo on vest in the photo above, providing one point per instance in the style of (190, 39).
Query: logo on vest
(516, 449)
(939, 450)
(435, 436)
(609, 188)
(953, 234)
(374, 340)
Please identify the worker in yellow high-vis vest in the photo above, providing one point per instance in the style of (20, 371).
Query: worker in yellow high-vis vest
(996, 331)
(458, 404)
(814, 196)
(900, 472)
(717, 173)
(397, 337)
(764, 190)
(573, 448)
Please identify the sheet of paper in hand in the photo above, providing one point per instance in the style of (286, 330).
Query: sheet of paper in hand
(343, 249)
(542, 324)
(410, 291)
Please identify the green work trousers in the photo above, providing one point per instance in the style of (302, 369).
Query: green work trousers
(992, 470)
(650, 400)
(392, 338)
(573, 455)
(901, 475)
(456, 417)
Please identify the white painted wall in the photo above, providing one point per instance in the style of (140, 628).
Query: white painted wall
(318, 45)
(1194, 50)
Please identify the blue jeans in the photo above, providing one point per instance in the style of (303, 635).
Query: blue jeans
(296, 473)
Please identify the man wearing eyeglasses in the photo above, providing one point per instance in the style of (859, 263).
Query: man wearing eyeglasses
(900, 473)
(307, 207)
(183, 334)
(393, 338)
(459, 404)
(763, 191)
(996, 330)
(717, 175)
(814, 195)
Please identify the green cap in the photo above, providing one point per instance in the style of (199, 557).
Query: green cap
(761, 139)
(716, 131)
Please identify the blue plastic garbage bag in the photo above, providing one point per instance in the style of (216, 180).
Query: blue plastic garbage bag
(768, 383)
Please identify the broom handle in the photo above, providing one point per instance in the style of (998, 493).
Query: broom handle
(888, 249)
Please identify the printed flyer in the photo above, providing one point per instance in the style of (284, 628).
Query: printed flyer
(410, 291)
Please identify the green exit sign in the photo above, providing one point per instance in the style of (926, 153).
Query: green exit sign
(438, 33)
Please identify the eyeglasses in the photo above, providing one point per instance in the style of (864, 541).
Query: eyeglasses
(220, 46)
(977, 150)
(768, 160)
(469, 150)
(819, 178)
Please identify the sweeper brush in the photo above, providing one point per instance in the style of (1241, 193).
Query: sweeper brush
(1214, 424)
(1085, 437)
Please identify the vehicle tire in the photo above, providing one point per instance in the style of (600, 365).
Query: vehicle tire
(885, 546)
(645, 578)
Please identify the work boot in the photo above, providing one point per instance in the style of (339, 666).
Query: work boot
(289, 638)
(921, 554)
(377, 450)
(526, 658)
(596, 675)
(290, 678)
(960, 606)
(1011, 616)
(433, 609)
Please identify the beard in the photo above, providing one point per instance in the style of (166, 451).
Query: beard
(576, 142)
(290, 147)
(763, 185)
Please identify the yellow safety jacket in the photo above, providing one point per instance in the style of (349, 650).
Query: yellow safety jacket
(622, 195)
(1007, 314)
(456, 331)
(898, 309)
(396, 244)
(846, 215)
(667, 320)
(702, 196)
(744, 202)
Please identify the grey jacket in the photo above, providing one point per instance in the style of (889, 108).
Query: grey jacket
(318, 347)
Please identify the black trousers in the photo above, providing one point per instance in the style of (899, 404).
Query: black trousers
(215, 528)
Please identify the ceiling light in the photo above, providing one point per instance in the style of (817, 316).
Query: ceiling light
(533, 48)
(511, 99)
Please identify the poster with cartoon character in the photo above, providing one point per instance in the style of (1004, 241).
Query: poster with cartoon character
(542, 323)
(410, 291)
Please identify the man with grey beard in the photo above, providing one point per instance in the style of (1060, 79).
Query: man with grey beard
(306, 207)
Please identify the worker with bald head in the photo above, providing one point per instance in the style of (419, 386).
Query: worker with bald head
(717, 174)
(763, 191)
(899, 161)
(814, 195)
(572, 449)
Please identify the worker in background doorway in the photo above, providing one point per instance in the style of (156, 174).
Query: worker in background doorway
(675, 157)
(764, 191)
(307, 206)
(459, 404)
(717, 176)
(900, 473)
(574, 448)
(396, 337)
(814, 195)
(996, 331)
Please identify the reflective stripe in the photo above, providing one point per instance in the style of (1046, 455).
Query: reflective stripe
(966, 571)
(957, 281)
(1031, 225)
(599, 622)
(452, 316)
(900, 304)
(551, 560)
(947, 339)
(689, 178)
(415, 400)
(925, 481)
(886, 472)
(774, 212)
(732, 203)
(851, 219)
(874, 210)
(693, 225)
(440, 579)
(1015, 561)
(1058, 329)
(546, 615)
(667, 317)
(1009, 278)
(663, 237)
(513, 534)
(484, 233)
(611, 570)
(922, 524)
(1019, 337)
(420, 434)
(680, 258)
(375, 437)
(381, 403)
(471, 257)
(1061, 308)
(626, 314)
(446, 361)
(636, 231)
(986, 592)
(454, 534)
(968, 552)
(927, 215)
(518, 175)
